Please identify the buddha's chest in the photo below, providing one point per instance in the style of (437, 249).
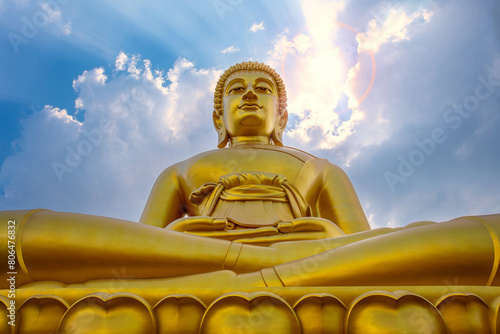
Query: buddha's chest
(212, 167)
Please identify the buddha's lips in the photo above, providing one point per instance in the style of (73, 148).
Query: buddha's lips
(249, 105)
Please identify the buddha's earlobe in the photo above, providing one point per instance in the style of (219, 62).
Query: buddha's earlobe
(220, 127)
(277, 135)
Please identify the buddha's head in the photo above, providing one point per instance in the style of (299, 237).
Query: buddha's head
(250, 102)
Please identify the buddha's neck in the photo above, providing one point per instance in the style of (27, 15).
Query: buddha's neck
(250, 140)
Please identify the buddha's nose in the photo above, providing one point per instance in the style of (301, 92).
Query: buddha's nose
(250, 96)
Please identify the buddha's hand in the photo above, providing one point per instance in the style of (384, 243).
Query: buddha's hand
(307, 228)
(219, 228)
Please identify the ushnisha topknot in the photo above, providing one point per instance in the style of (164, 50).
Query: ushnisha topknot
(250, 65)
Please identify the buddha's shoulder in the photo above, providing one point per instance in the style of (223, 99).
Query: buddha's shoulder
(307, 158)
(252, 157)
(294, 152)
(231, 152)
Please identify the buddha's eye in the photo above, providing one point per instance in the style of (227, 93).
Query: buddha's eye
(263, 89)
(236, 90)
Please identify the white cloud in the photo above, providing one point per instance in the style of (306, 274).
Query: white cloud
(34, 16)
(120, 61)
(393, 29)
(61, 114)
(53, 11)
(136, 122)
(54, 14)
(95, 76)
(230, 49)
(299, 45)
(78, 104)
(257, 26)
(28, 171)
(66, 29)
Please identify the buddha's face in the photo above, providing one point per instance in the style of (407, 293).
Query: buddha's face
(250, 104)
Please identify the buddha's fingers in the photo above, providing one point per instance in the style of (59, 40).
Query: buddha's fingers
(268, 240)
(311, 224)
(238, 234)
(199, 223)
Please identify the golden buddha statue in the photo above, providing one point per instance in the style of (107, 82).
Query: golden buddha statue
(252, 213)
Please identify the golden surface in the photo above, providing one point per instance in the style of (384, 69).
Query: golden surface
(257, 215)
(42, 314)
(335, 310)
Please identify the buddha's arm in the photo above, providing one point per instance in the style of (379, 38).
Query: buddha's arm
(337, 200)
(165, 203)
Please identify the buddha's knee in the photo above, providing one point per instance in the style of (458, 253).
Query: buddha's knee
(11, 225)
(492, 224)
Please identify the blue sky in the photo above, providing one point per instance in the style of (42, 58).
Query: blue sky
(98, 97)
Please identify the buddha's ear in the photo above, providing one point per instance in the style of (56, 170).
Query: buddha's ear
(220, 127)
(277, 135)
